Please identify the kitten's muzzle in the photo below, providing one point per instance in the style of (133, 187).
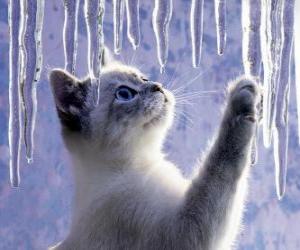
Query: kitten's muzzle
(157, 87)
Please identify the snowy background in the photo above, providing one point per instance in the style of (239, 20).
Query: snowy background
(37, 214)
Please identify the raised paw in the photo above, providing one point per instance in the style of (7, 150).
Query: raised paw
(245, 99)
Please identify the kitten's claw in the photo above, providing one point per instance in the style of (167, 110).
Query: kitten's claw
(250, 118)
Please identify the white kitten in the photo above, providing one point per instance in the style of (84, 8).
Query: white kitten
(128, 196)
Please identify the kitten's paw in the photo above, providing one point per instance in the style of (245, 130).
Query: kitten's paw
(245, 99)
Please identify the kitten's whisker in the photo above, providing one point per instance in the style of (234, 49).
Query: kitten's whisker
(188, 118)
(141, 67)
(191, 81)
(191, 96)
(185, 115)
(183, 102)
(206, 93)
(171, 79)
(179, 79)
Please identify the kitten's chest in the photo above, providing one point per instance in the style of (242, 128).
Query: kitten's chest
(114, 221)
(124, 210)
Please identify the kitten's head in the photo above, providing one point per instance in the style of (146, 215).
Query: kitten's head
(133, 112)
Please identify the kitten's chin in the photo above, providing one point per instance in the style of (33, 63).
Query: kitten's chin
(155, 121)
(161, 119)
(163, 116)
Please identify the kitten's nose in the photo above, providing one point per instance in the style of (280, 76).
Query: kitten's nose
(156, 88)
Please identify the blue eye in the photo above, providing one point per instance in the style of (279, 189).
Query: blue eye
(125, 93)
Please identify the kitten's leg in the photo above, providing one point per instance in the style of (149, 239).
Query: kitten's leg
(211, 213)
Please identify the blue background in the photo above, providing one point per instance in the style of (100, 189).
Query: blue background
(37, 214)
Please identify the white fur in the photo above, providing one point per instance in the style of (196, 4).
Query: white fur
(129, 196)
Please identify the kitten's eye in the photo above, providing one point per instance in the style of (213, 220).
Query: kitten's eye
(125, 94)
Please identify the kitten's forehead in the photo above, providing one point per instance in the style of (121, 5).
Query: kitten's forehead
(123, 73)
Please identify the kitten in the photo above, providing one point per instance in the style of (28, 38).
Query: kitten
(127, 194)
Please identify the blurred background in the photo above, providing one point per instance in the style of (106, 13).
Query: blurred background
(37, 214)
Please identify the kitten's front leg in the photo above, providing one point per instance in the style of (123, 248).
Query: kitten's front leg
(211, 213)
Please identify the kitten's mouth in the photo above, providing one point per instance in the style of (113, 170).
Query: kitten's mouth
(162, 91)
(166, 98)
(166, 95)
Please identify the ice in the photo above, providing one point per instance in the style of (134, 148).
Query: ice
(196, 30)
(271, 49)
(94, 14)
(161, 18)
(70, 34)
(254, 151)
(31, 44)
(281, 132)
(251, 23)
(251, 19)
(268, 27)
(220, 14)
(14, 95)
(118, 6)
(297, 59)
(133, 19)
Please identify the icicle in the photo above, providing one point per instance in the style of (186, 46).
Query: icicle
(196, 30)
(297, 59)
(161, 18)
(94, 14)
(220, 14)
(271, 49)
(70, 34)
(251, 18)
(267, 65)
(33, 64)
(281, 133)
(133, 19)
(14, 96)
(118, 6)
(254, 151)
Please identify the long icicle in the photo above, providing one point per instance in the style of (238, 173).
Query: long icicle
(220, 16)
(70, 34)
(14, 10)
(297, 59)
(281, 131)
(133, 21)
(272, 40)
(267, 65)
(94, 14)
(196, 20)
(161, 18)
(251, 20)
(118, 6)
(251, 23)
(33, 66)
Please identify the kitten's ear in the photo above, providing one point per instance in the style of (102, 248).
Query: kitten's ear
(71, 99)
(107, 57)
